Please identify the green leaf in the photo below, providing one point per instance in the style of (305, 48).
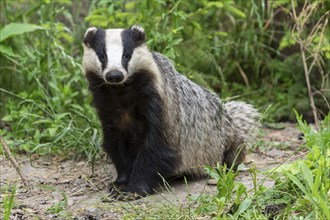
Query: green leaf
(7, 118)
(221, 33)
(317, 182)
(52, 131)
(287, 40)
(296, 181)
(212, 172)
(8, 202)
(60, 116)
(7, 50)
(235, 11)
(292, 168)
(214, 5)
(16, 29)
(243, 206)
(176, 41)
(307, 174)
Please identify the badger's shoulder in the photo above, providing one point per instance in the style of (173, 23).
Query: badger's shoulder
(181, 82)
(165, 65)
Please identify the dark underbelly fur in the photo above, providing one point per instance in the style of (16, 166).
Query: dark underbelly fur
(132, 123)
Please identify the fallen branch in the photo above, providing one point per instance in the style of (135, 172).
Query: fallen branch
(13, 160)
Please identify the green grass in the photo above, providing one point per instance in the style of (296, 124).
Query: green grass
(8, 202)
(45, 103)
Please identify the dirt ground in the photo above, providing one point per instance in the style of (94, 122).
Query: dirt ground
(82, 191)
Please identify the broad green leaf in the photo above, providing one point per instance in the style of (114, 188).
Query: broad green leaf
(16, 29)
(235, 11)
(296, 181)
(212, 172)
(214, 5)
(317, 182)
(43, 121)
(52, 131)
(221, 33)
(7, 50)
(7, 118)
(292, 168)
(287, 41)
(176, 41)
(242, 167)
(60, 116)
(239, 192)
(243, 206)
(307, 174)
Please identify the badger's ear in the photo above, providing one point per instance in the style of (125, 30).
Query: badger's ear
(89, 36)
(138, 33)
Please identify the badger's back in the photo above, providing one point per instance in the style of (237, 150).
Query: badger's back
(202, 128)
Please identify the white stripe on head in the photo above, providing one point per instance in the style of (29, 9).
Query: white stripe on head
(114, 50)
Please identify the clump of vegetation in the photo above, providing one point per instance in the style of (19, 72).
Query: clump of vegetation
(306, 181)
(8, 201)
(45, 107)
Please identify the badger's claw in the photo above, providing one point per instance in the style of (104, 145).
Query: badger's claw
(114, 187)
(124, 193)
(126, 196)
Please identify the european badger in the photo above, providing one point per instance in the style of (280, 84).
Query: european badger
(157, 123)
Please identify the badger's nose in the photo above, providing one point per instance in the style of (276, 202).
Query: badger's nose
(114, 76)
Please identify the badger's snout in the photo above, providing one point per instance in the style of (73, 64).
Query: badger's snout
(114, 76)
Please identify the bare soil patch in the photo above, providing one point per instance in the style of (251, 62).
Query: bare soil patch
(81, 190)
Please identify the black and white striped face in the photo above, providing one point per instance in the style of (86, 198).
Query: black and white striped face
(113, 54)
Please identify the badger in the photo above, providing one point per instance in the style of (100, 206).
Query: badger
(156, 123)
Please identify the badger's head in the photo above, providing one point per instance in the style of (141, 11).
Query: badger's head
(115, 54)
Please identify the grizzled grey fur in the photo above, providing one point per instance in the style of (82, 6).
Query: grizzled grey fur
(201, 127)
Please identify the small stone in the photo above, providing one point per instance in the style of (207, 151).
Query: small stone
(91, 209)
(275, 153)
(212, 182)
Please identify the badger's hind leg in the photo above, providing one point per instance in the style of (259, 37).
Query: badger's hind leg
(234, 156)
(241, 127)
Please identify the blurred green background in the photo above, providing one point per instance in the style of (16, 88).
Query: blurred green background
(242, 50)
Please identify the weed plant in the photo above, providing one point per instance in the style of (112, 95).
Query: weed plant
(8, 201)
(45, 104)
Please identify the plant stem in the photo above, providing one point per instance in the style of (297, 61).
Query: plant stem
(310, 94)
(299, 27)
(13, 160)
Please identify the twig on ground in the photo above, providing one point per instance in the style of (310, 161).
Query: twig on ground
(13, 161)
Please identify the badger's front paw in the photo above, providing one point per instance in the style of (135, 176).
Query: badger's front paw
(125, 196)
(116, 187)
(126, 193)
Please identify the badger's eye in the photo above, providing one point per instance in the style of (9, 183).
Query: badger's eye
(103, 57)
(127, 56)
